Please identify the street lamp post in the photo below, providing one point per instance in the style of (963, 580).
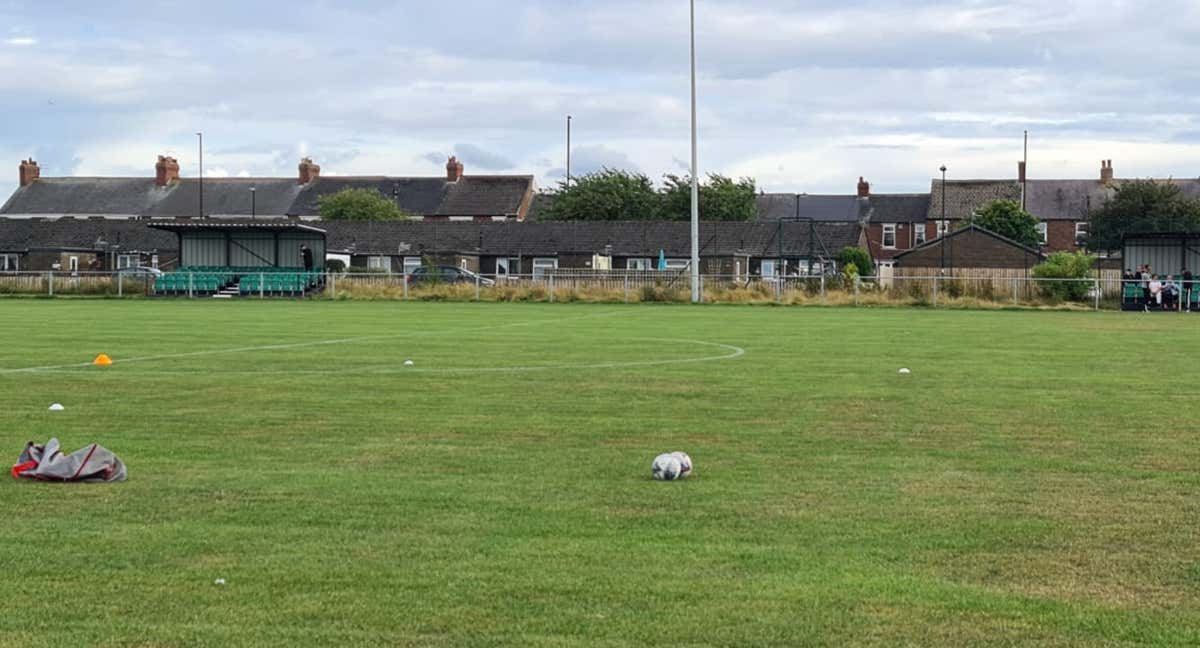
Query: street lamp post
(945, 228)
(568, 150)
(695, 179)
(201, 137)
(253, 205)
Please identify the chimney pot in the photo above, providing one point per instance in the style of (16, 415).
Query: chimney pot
(1106, 171)
(864, 188)
(166, 171)
(29, 171)
(454, 169)
(308, 170)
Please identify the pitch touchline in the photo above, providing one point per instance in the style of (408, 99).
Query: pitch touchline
(300, 345)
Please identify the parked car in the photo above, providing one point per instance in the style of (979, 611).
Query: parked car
(445, 274)
(140, 273)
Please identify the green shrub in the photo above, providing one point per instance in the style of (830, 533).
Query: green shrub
(1065, 265)
(857, 257)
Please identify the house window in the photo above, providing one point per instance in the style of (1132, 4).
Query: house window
(1080, 233)
(768, 268)
(8, 263)
(461, 219)
(889, 236)
(514, 265)
(677, 264)
(941, 227)
(411, 263)
(73, 264)
(1041, 230)
(127, 260)
(541, 265)
(153, 260)
(918, 234)
(637, 264)
(379, 263)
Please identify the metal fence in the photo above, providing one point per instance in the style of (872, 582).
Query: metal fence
(1098, 293)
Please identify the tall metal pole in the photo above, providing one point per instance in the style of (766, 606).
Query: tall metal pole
(253, 204)
(945, 228)
(201, 136)
(695, 178)
(568, 150)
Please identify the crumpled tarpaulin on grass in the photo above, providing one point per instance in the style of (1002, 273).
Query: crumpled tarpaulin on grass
(92, 463)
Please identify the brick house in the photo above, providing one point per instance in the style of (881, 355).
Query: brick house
(454, 196)
(969, 250)
(94, 244)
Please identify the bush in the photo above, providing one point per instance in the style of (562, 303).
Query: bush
(1065, 265)
(335, 265)
(857, 257)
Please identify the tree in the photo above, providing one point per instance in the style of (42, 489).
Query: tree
(1065, 265)
(359, 204)
(608, 194)
(858, 257)
(1142, 207)
(721, 198)
(1006, 218)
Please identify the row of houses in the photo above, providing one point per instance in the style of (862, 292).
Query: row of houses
(495, 223)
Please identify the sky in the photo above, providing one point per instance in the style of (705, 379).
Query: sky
(801, 96)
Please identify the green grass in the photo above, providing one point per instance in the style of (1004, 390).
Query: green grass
(1034, 481)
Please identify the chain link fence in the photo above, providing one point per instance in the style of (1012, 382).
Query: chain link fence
(619, 286)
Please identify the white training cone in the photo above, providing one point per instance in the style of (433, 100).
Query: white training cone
(905, 371)
(57, 407)
(408, 363)
(219, 581)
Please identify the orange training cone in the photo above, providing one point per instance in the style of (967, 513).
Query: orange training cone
(102, 360)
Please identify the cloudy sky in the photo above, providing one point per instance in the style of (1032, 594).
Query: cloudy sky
(803, 96)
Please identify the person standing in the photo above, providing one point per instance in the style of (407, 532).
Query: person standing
(306, 254)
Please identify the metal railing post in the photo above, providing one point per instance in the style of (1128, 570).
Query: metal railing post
(935, 291)
(120, 286)
(627, 287)
(262, 285)
(333, 285)
(1096, 287)
(476, 287)
(191, 276)
(856, 290)
(551, 289)
(1014, 290)
(822, 288)
(51, 283)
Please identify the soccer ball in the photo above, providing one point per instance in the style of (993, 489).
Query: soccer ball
(666, 468)
(685, 463)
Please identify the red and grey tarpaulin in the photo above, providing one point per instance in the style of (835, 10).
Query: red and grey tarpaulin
(92, 463)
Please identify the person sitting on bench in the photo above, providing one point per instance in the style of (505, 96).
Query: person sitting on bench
(1155, 288)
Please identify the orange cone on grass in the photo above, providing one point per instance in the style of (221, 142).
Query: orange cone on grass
(102, 360)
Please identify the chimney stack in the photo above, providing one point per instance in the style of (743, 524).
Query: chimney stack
(864, 188)
(166, 171)
(454, 170)
(29, 172)
(1021, 172)
(1106, 171)
(308, 170)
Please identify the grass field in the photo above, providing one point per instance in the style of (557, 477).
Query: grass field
(1034, 481)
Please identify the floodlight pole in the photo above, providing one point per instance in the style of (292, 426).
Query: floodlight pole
(253, 204)
(201, 211)
(945, 226)
(695, 178)
(568, 151)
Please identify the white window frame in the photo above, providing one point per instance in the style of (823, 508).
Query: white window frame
(542, 264)
(379, 263)
(918, 234)
(942, 226)
(10, 263)
(678, 264)
(1080, 231)
(461, 219)
(1043, 229)
(128, 260)
(889, 228)
(73, 264)
(769, 263)
(411, 263)
(640, 263)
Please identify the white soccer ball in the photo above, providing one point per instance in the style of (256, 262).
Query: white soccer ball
(219, 581)
(408, 363)
(685, 463)
(666, 467)
(905, 371)
(57, 407)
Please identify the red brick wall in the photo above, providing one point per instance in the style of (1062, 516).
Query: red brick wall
(1060, 235)
(904, 238)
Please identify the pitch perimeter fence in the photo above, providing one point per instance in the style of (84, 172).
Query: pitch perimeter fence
(1108, 291)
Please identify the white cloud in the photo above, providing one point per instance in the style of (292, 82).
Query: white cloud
(21, 41)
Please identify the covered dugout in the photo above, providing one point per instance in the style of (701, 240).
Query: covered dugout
(1165, 253)
(245, 243)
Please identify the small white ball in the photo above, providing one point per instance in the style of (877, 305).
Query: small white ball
(905, 371)
(219, 581)
(685, 463)
(57, 407)
(666, 468)
(408, 363)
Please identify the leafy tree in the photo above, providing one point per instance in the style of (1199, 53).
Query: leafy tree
(359, 204)
(858, 257)
(1006, 218)
(721, 198)
(1142, 206)
(608, 194)
(1065, 265)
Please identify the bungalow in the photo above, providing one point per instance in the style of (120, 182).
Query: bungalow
(93, 244)
(455, 196)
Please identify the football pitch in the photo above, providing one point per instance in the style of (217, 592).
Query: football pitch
(1033, 481)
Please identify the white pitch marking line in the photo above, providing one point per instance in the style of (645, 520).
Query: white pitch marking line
(300, 345)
